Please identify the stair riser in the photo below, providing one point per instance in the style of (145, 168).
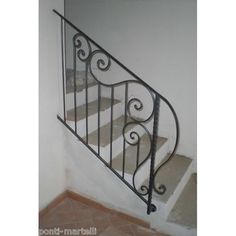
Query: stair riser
(93, 120)
(144, 171)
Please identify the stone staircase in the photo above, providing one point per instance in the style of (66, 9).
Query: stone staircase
(178, 205)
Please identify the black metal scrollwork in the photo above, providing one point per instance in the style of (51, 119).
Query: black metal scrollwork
(81, 53)
(103, 63)
(137, 104)
(89, 52)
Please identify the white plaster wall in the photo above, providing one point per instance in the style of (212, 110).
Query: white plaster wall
(157, 40)
(89, 177)
(51, 162)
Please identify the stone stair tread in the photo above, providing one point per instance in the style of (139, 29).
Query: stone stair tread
(184, 211)
(131, 154)
(171, 174)
(80, 81)
(118, 125)
(92, 109)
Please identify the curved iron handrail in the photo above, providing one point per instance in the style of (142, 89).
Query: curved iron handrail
(161, 189)
(81, 54)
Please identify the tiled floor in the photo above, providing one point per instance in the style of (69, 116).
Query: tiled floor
(71, 214)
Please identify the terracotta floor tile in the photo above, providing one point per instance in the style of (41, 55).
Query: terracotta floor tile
(60, 215)
(85, 224)
(78, 205)
(141, 231)
(83, 214)
(57, 218)
(126, 229)
(112, 231)
(65, 205)
(71, 214)
(101, 223)
(118, 221)
(99, 213)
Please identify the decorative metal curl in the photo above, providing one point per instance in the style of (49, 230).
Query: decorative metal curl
(134, 136)
(137, 104)
(102, 65)
(143, 188)
(81, 54)
(160, 189)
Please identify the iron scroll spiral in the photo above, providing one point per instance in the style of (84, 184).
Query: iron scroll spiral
(102, 65)
(80, 52)
(138, 106)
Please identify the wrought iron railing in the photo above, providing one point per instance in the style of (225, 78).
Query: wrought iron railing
(103, 64)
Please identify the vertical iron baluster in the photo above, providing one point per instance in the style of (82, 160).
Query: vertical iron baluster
(99, 105)
(63, 67)
(151, 207)
(125, 121)
(111, 128)
(65, 53)
(86, 99)
(138, 149)
(74, 68)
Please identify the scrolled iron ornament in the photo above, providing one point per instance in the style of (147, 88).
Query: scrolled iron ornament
(137, 104)
(160, 189)
(101, 64)
(80, 52)
(134, 137)
(143, 188)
